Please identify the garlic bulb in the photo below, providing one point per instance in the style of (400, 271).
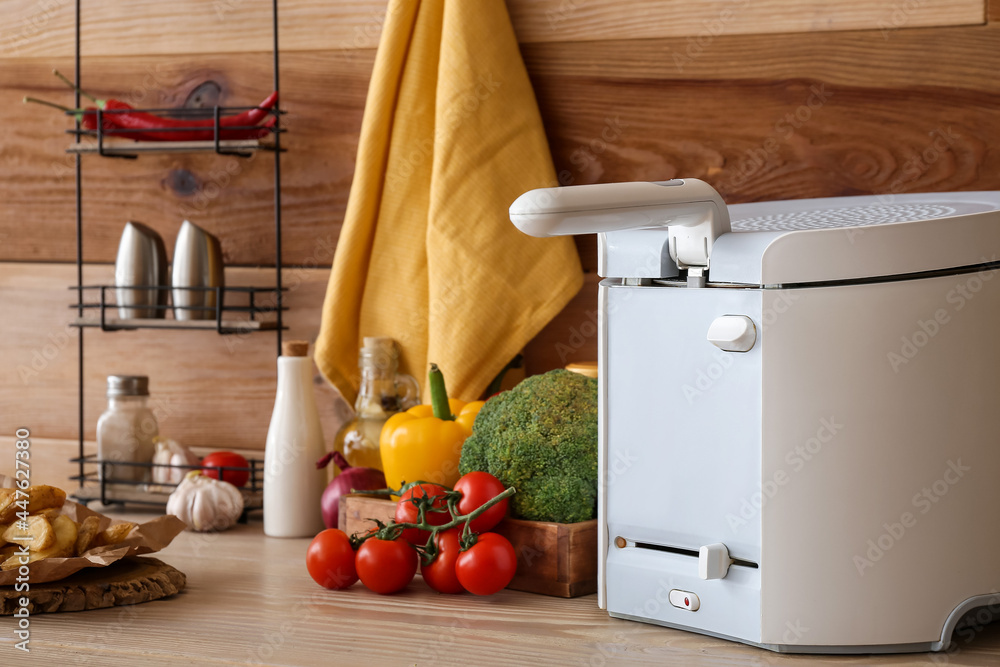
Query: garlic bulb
(205, 504)
(171, 453)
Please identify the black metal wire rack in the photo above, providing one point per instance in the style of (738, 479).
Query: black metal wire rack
(255, 302)
(111, 490)
(249, 313)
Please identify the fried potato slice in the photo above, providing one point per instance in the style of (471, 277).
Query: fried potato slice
(114, 534)
(50, 513)
(7, 507)
(7, 551)
(40, 497)
(87, 534)
(43, 497)
(36, 532)
(65, 541)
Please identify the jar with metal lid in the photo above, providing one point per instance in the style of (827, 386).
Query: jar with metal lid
(127, 430)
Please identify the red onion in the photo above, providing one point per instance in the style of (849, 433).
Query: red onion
(359, 479)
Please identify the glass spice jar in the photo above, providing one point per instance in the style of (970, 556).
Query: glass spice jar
(126, 430)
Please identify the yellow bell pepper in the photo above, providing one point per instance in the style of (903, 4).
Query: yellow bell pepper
(425, 442)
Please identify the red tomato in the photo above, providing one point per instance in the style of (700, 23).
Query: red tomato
(488, 566)
(406, 510)
(440, 573)
(477, 488)
(386, 566)
(330, 560)
(227, 460)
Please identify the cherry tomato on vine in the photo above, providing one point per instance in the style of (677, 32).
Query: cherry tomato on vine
(386, 566)
(440, 572)
(407, 512)
(477, 488)
(488, 566)
(330, 560)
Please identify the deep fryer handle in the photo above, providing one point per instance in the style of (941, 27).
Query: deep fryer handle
(693, 211)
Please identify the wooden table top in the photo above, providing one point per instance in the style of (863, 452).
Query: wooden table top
(249, 600)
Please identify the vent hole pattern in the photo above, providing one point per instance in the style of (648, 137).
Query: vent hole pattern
(850, 216)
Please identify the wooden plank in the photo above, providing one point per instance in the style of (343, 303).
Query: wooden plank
(231, 197)
(189, 27)
(770, 140)
(186, 27)
(586, 245)
(589, 20)
(963, 58)
(49, 457)
(207, 390)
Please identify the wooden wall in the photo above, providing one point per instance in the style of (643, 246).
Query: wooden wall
(767, 99)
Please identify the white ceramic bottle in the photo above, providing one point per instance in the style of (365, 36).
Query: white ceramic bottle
(292, 484)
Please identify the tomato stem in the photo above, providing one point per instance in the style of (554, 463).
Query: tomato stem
(393, 530)
(429, 551)
(468, 539)
(461, 518)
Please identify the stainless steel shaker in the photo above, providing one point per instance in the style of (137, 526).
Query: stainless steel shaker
(197, 264)
(141, 261)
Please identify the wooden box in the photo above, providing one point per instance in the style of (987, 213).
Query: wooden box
(557, 559)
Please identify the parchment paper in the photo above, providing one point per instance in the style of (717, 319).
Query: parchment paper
(145, 538)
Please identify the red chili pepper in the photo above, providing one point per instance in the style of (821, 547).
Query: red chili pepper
(144, 126)
(88, 119)
(89, 122)
(121, 119)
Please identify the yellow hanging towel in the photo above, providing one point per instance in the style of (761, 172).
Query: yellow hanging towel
(427, 255)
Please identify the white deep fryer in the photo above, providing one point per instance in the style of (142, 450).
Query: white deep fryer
(799, 411)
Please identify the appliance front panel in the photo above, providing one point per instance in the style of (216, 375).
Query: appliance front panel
(682, 447)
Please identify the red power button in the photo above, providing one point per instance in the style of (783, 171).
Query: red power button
(684, 600)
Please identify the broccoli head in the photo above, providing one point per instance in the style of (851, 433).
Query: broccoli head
(541, 438)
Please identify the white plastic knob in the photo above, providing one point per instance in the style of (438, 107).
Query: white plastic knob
(733, 333)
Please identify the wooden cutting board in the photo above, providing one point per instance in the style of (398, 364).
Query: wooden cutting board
(129, 581)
